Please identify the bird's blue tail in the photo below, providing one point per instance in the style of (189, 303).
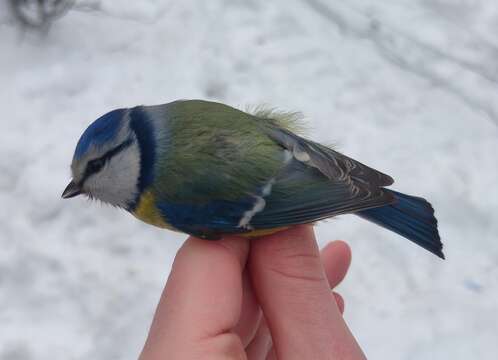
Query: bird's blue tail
(411, 217)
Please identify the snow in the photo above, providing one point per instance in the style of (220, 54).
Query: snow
(408, 87)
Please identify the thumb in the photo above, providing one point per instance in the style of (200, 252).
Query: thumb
(293, 291)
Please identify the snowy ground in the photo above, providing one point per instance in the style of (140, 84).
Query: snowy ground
(407, 86)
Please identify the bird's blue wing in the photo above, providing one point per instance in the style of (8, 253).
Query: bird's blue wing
(332, 164)
(313, 183)
(319, 183)
(302, 194)
(209, 220)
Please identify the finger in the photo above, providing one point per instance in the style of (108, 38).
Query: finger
(339, 301)
(292, 289)
(336, 259)
(272, 355)
(261, 344)
(250, 316)
(202, 298)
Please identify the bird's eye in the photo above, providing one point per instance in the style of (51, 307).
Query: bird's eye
(95, 166)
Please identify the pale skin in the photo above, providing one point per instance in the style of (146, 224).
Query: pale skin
(213, 302)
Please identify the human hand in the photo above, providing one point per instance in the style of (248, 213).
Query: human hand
(213, 303)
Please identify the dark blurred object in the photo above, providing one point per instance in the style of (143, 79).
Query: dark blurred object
(39, 14)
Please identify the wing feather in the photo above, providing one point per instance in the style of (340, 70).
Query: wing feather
(318, 183)
(302, 194)
(331, 163)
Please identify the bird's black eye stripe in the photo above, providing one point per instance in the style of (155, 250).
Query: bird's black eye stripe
(95, 165)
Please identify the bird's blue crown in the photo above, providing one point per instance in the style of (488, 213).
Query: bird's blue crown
(100, 131)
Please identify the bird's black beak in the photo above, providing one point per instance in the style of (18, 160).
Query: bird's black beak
(71, 190)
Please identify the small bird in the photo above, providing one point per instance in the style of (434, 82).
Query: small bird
(208, 169)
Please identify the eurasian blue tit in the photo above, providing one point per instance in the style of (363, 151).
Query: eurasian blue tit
(208, 169)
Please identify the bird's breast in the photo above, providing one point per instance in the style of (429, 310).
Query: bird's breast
(148, 212)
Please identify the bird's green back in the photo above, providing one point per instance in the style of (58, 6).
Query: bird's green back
(215, 152)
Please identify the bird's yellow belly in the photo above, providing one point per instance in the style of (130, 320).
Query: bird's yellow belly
(263, 232)
(148, 212)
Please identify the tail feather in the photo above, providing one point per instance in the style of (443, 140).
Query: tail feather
(411, 217)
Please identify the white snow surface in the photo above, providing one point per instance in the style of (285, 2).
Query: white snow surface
(406, 86)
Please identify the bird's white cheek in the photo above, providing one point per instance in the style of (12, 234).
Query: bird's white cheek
(117, 183)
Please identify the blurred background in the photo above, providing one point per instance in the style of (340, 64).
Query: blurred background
(406, 86)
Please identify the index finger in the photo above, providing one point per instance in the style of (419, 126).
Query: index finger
(203, 295)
